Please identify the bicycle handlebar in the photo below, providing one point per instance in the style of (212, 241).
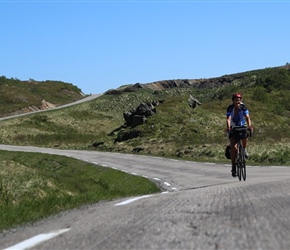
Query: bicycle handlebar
(241, 129)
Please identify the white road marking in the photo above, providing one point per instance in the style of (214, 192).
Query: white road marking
(157, 179)
(209, 163)
(29, 243)
(96, 163)
(131, 200)
(167, 184)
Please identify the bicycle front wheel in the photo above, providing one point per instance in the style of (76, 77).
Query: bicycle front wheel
(243, 173)
(240, 172)
(243, 170)
(241, 162)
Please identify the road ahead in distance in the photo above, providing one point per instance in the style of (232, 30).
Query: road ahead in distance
(86, 99)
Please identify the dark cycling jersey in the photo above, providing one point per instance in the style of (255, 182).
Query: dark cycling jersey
(237, 119)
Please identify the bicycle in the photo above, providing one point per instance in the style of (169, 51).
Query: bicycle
(241, 132)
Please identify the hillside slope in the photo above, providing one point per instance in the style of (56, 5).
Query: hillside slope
(18, 96)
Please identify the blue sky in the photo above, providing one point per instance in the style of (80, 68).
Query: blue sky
(100, 45)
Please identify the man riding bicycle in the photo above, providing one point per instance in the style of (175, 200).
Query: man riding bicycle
(237, 115)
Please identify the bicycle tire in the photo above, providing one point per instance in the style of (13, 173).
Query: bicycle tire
(239, 173)
(242, 163)
(244, 172)
(238, 162)
(243, 169)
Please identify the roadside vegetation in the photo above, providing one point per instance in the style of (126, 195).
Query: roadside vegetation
(175, 131)
(34, 186)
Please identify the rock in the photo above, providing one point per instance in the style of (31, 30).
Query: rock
(138, 120)
(193, 102)
(97, 144)
(138, 116)
(133, 88)
(124, 136)
(137, 149)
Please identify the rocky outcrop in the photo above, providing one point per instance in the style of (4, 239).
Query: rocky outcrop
(138, 116)
(129, 88)
(179, 83)
(196, 83)
(46, 105)
(33, 108)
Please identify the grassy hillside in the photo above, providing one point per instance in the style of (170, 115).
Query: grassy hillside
(16, 96)
(176, 130)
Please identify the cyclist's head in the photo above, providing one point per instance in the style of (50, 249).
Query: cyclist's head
(237, 96)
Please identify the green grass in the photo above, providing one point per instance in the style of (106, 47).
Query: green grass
(34, 186)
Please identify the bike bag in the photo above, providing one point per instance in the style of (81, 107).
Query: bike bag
(239, 132)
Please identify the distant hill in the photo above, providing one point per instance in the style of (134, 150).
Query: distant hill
(18, 96)
(204, 83)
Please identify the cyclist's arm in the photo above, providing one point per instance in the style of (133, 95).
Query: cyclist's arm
(229, 116)
(229, 121)
(248, 119)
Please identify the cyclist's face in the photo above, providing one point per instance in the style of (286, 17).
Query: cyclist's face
(237, 101)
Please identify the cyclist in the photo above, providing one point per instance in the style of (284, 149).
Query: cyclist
(237, 115)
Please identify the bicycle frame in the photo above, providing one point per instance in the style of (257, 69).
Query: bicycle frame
(240, 158)
(241, 161)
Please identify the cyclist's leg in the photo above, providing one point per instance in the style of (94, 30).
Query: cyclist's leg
(245, 143)
(234, 145)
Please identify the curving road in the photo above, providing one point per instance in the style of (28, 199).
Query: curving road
(86, 99)
(202, 207)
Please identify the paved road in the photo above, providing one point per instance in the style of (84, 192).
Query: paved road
(202, 207)
(86, 99)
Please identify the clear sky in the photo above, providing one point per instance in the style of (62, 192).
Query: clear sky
(100, 45)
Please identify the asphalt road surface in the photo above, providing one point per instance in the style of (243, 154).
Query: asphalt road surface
(201, 207)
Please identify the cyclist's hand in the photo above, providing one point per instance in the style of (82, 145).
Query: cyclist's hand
(251, 128)
(228, 130)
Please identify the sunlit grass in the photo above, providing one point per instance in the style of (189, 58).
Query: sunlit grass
(34, 185)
